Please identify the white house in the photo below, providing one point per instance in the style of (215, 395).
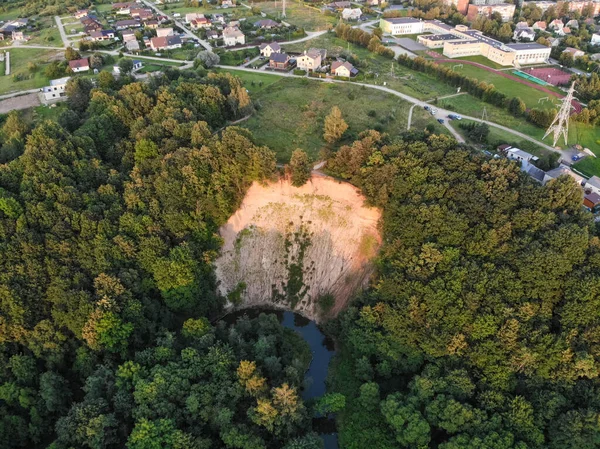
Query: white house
(267, 50)
(233, 36)
(137, 65)
(132, 45)
(351, 13)
(576, 53)
(56, 89)
(79, 65)
(518, 155)
(343, 68)
(595, 39)
(310, 60)
(524, 34)
(593, 185)
(556, 24)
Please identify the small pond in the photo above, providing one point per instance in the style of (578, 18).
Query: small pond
(322, 350)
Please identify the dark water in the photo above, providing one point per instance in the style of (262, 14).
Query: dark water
(322, 350)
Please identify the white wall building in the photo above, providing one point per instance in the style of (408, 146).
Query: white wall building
(401, 25)
(56, 89)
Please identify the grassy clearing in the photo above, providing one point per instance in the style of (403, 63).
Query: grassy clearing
(19, 59)
(49, 36)
(378, 69)
(254, 82)
(292, 112)
(508, 87)
(309, 18)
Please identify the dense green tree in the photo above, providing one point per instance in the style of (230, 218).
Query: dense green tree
(335, 126)
(300, 168)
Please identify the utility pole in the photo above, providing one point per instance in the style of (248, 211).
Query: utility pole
(560, 124)
(283, 12)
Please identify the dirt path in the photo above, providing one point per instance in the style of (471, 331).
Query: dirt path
(575, 104)
(20, 102)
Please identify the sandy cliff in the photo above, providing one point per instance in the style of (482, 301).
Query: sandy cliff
(289, 246)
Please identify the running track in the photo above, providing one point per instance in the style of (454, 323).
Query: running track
(574, 103)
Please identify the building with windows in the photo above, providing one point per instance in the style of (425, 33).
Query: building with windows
(56, 89)
(401, 25)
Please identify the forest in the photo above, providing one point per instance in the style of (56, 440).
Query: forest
(481, 328)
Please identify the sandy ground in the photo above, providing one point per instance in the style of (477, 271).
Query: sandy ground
(342, 238)
(18, 103)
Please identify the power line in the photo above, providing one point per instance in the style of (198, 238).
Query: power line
(560, 124)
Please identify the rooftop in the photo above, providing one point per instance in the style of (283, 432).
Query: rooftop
(396, 20)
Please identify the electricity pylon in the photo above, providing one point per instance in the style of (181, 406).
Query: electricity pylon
(560, 124)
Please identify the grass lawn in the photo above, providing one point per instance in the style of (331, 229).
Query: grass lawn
(237, 57)
(19, 58)
(507, 86)
(379, 69)
(292, 112)
(43, 112)
(479, 60)
(49, 36)
(309, 18)
(11, 14)
(254, 82)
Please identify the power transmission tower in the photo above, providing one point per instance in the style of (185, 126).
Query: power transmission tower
(484, 115)
(560, 124)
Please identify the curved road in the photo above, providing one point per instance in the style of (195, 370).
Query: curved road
(441, 113)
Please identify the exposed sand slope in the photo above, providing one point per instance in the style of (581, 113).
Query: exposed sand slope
(322, 228)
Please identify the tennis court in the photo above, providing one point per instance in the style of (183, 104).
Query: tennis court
(551, 75)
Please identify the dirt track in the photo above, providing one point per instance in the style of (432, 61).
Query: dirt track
(20, 102)
(264, 238)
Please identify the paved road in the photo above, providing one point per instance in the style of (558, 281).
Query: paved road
(61, 29)
(178, 23)
(441, 113)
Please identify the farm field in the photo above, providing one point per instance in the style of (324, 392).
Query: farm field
(379, 70)
(309, 18)
(291, 112)
(510, 88)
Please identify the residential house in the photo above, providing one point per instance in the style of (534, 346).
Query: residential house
(563, 170)
(212, 34)
(165, 43)
(372, 2)
(266, 24)
(91, 28)
(279, 61)
(536, 173)
(233, 36)
(141, 14)
(556, 24)
(126, 24)
(56, 89)
(576, 53)
(151, 24)
(104, 35)
(591, 201)
(554, 41)
(518, 155)
(193, 16)
(311, 60)
(19, 36)
(506, 11)
(573, 24)
(267, 50)
(128, 35)
(595, 57)
(227, 4)
(218, 18)
(540, 26)
(137, 65)
(132, 46)
(351, 13)
(595, 39)
(343, 68)
(20, 23)
(524, 34)
(563, 31)
(81, 13)
(592, 185)
(79, 65)
(162, 32)
(202, 22)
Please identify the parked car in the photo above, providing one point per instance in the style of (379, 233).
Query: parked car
(441, 120)
(426, 107)
(433, 111)
(577, 157)
(454, 117)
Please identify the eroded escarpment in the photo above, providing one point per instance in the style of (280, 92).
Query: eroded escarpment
(308, 249)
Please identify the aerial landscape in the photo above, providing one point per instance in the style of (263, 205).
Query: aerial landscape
(300, 224)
